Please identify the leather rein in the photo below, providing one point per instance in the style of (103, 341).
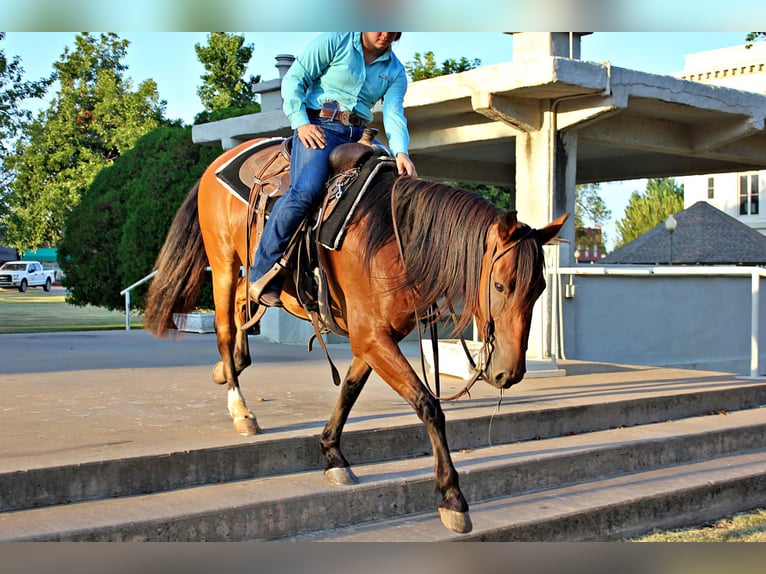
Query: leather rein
(488, 329)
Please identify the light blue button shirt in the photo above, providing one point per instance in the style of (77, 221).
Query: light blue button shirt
(332, 68)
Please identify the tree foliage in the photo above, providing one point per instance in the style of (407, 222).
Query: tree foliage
(14, 91)
(93, 118)
(590, 211)
(499, 195)
(424, 66)
(662, 197)
(225, 59)
(115, 233)
(753, 37)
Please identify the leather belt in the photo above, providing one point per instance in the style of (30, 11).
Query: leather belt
(346, 118)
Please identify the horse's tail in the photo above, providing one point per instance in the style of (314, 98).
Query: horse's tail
(180, 269)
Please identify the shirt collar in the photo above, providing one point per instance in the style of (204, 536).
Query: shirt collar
(358, 45)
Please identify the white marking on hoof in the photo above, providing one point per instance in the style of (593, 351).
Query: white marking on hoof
(246, 426)
(457, 521)
(341, 476)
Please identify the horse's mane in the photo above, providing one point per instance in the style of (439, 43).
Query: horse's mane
(443, 230)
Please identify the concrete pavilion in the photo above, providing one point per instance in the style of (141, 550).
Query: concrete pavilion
(546, 121)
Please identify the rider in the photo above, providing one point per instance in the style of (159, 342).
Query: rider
(328, 95)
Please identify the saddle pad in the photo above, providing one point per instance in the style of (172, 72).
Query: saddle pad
(347, 198)
(230, 173)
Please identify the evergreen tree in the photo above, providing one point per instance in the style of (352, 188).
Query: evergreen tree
(116, 231)
(94, 117)
(662, 197)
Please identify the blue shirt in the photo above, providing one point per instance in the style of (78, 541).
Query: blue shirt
(332, 68)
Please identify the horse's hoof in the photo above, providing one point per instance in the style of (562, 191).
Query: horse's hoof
(341, 476)
(246, 426)
(456, 521)
(219, 377)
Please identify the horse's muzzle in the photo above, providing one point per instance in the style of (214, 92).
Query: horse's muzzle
(504, 379)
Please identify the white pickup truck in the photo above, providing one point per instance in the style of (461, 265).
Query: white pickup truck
(22, 274)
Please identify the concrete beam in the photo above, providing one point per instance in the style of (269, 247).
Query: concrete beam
(642, 165)
(638, 133)
(582, 111)
(488, 173)
(711, 136)
(524, 114)
(439, 139)
(242, 128)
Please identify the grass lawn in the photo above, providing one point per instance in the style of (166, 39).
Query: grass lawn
(745, 527)
(37, 311)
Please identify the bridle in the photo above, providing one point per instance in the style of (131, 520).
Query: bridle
(488, 328)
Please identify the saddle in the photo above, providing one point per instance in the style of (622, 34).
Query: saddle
(260, 175)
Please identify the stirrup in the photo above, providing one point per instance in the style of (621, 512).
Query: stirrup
(255, 289)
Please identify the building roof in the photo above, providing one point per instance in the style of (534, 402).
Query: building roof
(7, 254)
(704, 235)
(629, 124)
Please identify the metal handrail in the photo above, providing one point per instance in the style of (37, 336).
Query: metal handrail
(126, 293)
(755, 274)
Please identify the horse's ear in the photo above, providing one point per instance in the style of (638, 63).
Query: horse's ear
(551, 230)
(507, 223)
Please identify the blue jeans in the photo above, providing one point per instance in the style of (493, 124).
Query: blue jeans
(309, 169)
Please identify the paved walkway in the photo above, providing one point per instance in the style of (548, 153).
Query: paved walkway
(77, 397)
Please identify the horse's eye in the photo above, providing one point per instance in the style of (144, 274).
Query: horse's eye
(499, 287)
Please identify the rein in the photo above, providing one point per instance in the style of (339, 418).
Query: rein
(479, 371)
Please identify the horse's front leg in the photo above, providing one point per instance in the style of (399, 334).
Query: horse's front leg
(387, 360)
(338, 469)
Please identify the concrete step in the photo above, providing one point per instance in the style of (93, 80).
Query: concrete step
(613, 508)
(366, 440)
(399, 494)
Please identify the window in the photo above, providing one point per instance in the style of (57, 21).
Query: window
(710, 187)
(748, 194)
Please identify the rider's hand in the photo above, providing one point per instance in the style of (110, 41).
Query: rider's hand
(312, 136)
(404, 165)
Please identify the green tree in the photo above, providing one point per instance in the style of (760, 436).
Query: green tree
(424, 66)
(93, 118)
(662, 197)
(224, 89)
(14, 90)
(753, 37)
(590, 211)
(115, 233)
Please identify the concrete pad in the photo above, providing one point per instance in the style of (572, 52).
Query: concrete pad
(96, 395)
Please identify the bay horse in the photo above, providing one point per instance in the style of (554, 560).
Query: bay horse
(451, 245)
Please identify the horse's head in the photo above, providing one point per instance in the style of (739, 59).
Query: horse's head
(512, 279)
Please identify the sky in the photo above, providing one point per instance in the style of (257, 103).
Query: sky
(170, 59)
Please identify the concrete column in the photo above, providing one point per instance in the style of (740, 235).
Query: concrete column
(545, 189)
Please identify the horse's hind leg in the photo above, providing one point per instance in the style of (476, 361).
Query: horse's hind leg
(338, 470)
(242, 358)
(227, 335)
